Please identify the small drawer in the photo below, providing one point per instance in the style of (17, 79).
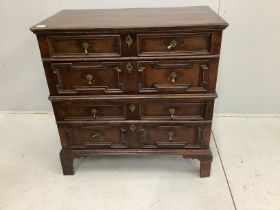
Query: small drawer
(88, 77)
(174, 44)
(173, 111)
(173, 136)
(91, 110)
(93, 136)
(174, 76)
(85, 46)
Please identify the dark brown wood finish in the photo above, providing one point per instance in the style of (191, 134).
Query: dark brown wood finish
(132, 81)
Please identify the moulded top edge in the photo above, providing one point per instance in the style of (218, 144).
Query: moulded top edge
(132, 18)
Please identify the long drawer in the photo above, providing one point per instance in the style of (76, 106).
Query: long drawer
(127, 44)
(130, 77)
(132, 134)
(134, 109)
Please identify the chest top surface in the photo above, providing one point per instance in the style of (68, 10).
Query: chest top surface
(191, 17)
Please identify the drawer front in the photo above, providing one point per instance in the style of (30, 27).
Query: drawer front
(151, 108)
(174, 44)
(91, 111)
(93, 136)
(85, 46)
(175, 76)
(135, 135)
(88, 77)
(128, 77)
(174, 136)
(170, 110)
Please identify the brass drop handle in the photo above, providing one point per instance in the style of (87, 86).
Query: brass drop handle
(173, 76)
(170, 135)
(85, 45)
(89, 78)
(128, 40)
(129, 67)
(94, 112)
(172, 45)
(132, 107)
(132, 128)
(172, 112)
(95, 134)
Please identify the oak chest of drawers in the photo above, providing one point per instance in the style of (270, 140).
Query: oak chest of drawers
(132, 81)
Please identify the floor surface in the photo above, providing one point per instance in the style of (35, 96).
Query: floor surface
(245, 171)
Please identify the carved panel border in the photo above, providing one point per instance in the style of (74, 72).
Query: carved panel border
(203, 77)
(97, 128)
(198, 137)
(58, 67)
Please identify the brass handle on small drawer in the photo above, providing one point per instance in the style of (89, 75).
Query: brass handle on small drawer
(85, 45)
(94, 112)
(128, 40)
(132, 128)
(89, 78)
(129, 67)
(173, 76)
(172, 45)
(172, 112)
(170, 135)
(95, 134)
(132, 107)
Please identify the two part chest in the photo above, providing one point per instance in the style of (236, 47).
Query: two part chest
(140, 85)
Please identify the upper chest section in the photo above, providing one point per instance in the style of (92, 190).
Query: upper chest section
(130, 32)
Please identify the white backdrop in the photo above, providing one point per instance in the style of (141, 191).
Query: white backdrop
(249, 70)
